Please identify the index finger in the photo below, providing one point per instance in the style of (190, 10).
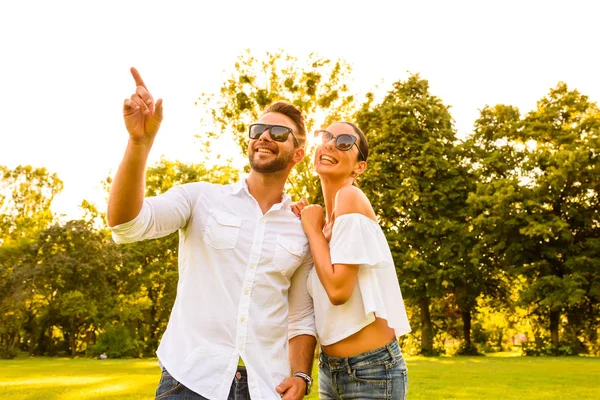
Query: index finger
(138, 78)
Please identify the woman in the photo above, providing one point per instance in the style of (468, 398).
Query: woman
(359, 310)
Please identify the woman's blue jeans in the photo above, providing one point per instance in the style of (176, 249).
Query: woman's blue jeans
(376, 374)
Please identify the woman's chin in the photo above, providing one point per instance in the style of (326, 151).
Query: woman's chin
(322, 170)
(327, 173)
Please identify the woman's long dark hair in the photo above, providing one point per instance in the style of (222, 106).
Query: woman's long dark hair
(363, 145)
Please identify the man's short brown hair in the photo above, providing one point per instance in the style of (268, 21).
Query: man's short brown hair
(293, 113)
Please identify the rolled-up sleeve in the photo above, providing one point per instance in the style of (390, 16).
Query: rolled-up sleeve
(302, 314)
(159, 216)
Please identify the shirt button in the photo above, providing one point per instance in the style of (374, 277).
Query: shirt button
(242, 319)
(246, 291)
(252, 266)
(262, 221)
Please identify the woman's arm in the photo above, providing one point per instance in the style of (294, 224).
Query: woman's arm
(338, 280)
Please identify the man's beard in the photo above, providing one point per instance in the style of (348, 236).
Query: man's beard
(280, 162)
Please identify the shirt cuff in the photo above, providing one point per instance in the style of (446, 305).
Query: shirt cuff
(133, 230)
(301, 331)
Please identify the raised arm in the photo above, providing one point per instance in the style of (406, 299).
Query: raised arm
(142, 117)
(338, 280)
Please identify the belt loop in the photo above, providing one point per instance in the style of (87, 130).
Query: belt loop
(390, 350)
(347, 362)
(327, 362)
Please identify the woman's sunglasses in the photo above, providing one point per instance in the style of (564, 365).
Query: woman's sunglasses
(278, 133)
(343, 141)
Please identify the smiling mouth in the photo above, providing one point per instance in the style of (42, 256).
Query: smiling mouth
(328, 160)
(265, 151)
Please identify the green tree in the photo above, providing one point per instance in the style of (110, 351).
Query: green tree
(13, 312)
(26, 194)
(68, 271)
(495, 153)
(537, 208)
(562, 226)
(418, 186)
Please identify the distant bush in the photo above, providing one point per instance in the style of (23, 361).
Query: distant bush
(117, 342)
(543, 347)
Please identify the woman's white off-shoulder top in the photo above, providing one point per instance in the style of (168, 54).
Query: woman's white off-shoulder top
(357, 239)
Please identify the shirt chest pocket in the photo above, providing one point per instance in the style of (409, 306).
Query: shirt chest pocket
(222, 229)
(288, 255)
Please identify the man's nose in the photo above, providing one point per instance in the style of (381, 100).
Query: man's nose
(266, 135)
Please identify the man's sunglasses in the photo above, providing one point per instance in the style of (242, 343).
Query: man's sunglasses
(278, 133)
(343, 141)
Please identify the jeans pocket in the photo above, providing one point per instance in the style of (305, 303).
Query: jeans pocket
(399, 360)
(167, 386)
(399, 381)
(375, 374)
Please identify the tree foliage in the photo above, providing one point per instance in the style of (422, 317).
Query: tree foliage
(536, 210)
(25, 197)
(418, 186)
(316, 85)
(496, 238)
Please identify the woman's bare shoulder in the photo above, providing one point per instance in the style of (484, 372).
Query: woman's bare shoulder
(352, 200)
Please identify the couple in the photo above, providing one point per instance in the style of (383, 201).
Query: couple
(257, 284)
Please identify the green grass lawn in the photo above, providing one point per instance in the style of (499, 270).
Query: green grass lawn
(500, 376)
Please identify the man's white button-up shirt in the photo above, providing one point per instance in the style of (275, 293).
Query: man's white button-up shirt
(237, 270)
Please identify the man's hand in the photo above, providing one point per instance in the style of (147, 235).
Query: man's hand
(142, 115)
(292, 388)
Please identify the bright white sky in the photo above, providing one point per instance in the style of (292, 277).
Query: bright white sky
(64, 65)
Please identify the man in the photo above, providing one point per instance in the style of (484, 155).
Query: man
(242, 254)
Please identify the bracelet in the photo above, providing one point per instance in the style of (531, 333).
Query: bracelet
(306, 378)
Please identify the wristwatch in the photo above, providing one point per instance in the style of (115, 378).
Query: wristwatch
(307, 379)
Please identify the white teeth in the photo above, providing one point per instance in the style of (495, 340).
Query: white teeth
(328, 159)
(263, 150)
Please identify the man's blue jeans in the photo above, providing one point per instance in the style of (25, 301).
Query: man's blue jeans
(170, 389)
(376, 374)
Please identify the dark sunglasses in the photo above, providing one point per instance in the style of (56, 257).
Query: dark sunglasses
(343, 141)
(278, 133)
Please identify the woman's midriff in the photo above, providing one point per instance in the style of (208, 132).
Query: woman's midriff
(372, 336)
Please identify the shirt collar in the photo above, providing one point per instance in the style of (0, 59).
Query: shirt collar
(285, 203)
(240, 185)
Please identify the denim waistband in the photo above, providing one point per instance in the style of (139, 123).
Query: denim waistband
(389, 352)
